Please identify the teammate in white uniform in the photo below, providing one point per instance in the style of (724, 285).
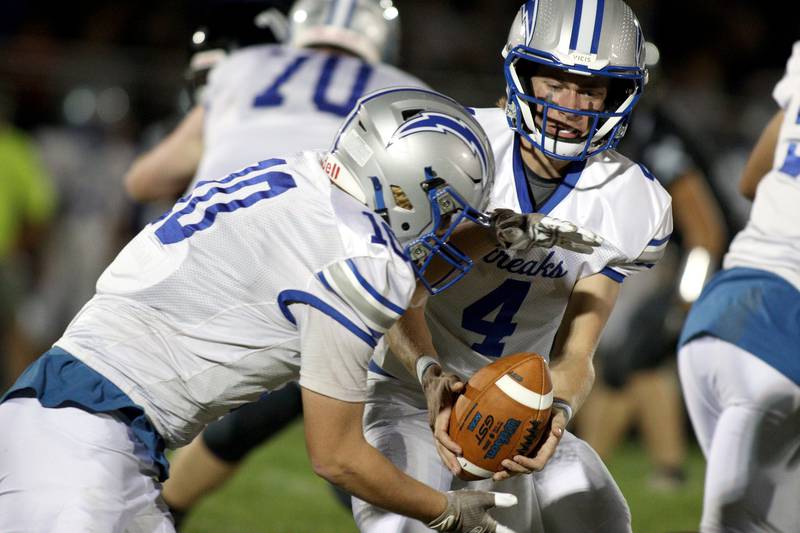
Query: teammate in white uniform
(274, 98)
(574, 71)
(739, 360)
(264, 98)
(276, 272)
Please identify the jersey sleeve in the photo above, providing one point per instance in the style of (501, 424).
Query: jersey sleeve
(787, 86)
(650, 255)
(333, 361)
(349, 306)
(376, 290)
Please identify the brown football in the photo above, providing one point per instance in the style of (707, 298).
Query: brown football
(503, 412)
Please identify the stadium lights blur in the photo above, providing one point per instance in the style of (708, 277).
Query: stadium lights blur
(300, 15)
(79, 106)
(112, 105)
(695, 273)
(390, 13)
(199, 37)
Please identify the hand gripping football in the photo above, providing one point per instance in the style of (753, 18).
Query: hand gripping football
(503, 412)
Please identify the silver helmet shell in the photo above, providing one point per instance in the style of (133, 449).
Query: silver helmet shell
(585, 37)
(421, 161)
(369, 29)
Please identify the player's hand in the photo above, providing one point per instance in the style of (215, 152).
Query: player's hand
(526, 465)
(518, 232)
(441, 390)
(467, 512)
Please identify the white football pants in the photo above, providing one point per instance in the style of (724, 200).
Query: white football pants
(574, 493)
(66, 470)
(746, 416)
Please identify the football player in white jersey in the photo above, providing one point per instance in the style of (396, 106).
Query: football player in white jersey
(276, 98)
(739, 359)
(574, 71)
(291, 268)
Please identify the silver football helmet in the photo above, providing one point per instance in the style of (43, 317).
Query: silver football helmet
(421, 161)
(368, 28)
(584, 37)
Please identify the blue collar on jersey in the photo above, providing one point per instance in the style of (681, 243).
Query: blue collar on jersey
(569, 182)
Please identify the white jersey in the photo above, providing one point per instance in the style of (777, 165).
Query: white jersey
(274, 99)
(771, 239)
(196, 315)
(508, 304)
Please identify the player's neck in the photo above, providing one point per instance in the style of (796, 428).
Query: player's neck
(540, 164)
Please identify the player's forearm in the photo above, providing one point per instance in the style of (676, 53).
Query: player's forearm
(410, 337)
(165, 171)
(761, 158)
(365, 473)
(573, 378)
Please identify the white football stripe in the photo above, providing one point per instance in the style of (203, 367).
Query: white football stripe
(525, 396)
(474, 469)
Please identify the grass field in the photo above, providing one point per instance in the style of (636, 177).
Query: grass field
(276, 492)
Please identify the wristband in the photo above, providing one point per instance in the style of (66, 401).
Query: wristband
(558, 403)
(423, 363)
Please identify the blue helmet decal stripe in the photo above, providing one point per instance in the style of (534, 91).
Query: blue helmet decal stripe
(576, 25)
(443, 124)
(331, 12)
(350, 12)
(380, 204)
(529, 19)
(598, 25)
(376, 94)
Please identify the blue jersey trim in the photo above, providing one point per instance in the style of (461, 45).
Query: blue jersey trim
(520, 181)
(289, 297)
(58, 379)
(613, 274)
(576, 25)
(647, 173)
(756, 310)
(373, 367)
(568, 183)
(659, 242)
(574, 171)
(370, 289)
(598, 25)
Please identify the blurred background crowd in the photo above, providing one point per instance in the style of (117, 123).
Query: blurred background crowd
(85, 87)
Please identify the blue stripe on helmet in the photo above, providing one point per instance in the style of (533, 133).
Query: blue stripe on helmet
(350, 12)
(443, 124)
(376, 185)
(331, 12)
(529, 19)
(376, 94)
(576, 25)
(598, 25)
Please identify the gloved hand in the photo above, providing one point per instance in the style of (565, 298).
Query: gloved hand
(467, 512)
(518, 232)
(441, 391)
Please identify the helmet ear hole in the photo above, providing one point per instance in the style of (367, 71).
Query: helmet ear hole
(401, 199)
(409, 113)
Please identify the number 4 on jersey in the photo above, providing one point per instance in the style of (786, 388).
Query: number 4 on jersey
(508, 297)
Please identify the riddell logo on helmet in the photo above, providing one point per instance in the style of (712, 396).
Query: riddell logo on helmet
(331, 168)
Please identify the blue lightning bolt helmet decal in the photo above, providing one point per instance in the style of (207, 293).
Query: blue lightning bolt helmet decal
(445, 124)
